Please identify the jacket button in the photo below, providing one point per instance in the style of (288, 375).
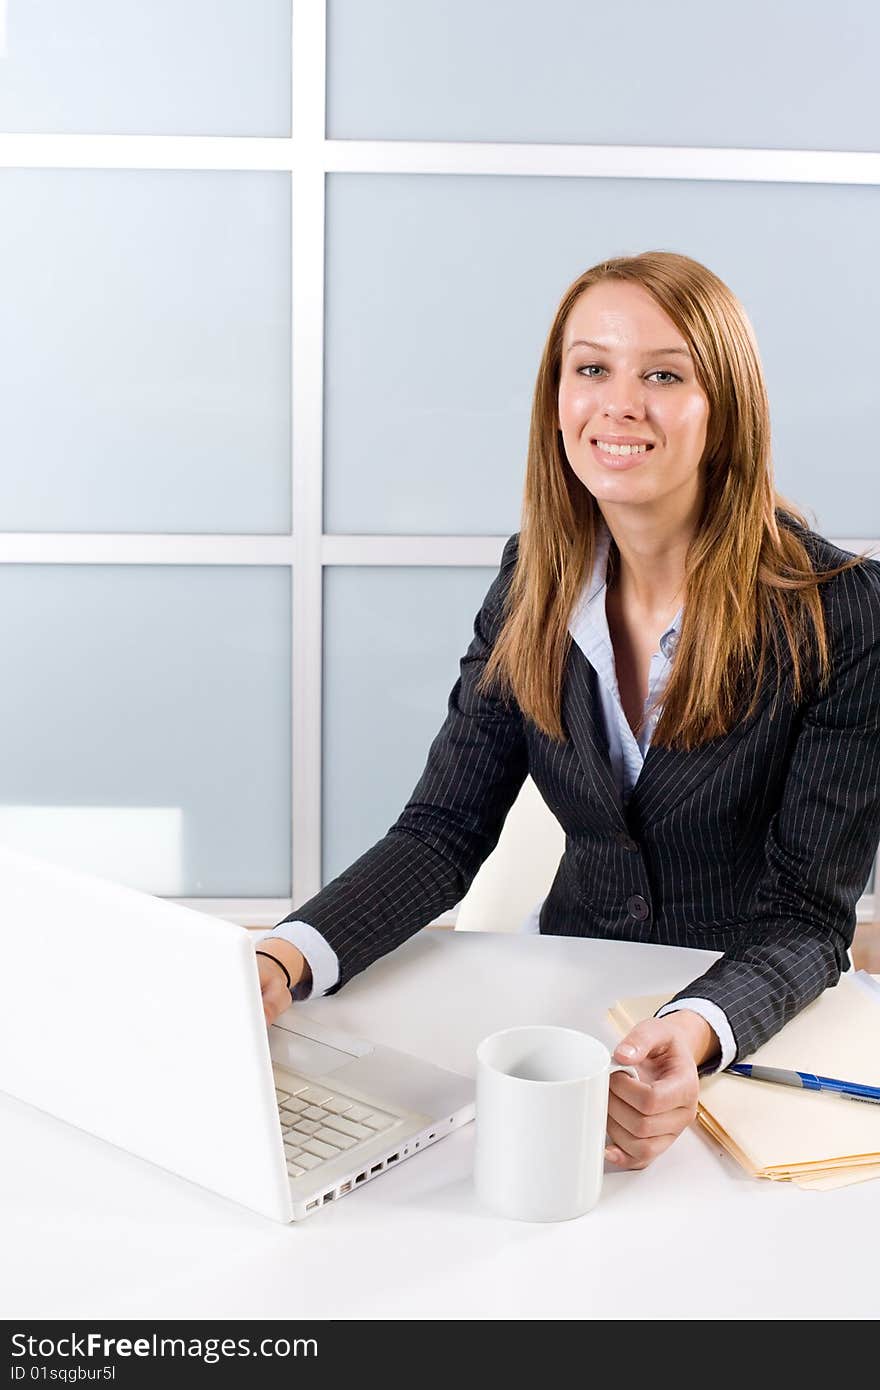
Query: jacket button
(625, 842)
(638, 908)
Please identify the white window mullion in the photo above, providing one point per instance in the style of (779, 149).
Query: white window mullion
(69, 548)
(229, 153)
(307, 221)
(413, 550)
(602, 161)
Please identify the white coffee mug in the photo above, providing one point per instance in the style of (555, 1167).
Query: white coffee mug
(541, 1111)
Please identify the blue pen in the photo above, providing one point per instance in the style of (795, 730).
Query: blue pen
(849, 1090)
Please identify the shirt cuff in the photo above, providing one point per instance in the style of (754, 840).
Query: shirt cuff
(321, 959)
(717, 1021)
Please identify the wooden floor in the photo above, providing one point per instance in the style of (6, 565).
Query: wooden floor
(866, 947)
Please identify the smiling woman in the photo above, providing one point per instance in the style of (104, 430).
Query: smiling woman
(655, 351)
(633, 420)
(691, 677)
(612, 380)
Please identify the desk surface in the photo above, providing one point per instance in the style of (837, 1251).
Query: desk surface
(89, 1231)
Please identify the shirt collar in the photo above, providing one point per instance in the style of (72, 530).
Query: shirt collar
(590, 608)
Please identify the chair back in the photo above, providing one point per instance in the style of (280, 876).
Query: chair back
(512, 883)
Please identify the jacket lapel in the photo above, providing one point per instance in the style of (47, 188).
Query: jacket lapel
(580, 713)
(667, 776)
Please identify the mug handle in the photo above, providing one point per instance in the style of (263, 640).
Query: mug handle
(623, 1066)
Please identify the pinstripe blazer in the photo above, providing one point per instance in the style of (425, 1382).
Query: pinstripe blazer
(757, 844)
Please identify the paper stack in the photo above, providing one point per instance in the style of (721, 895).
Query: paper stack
(815, 1139)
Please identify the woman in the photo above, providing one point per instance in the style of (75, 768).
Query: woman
(690, 675)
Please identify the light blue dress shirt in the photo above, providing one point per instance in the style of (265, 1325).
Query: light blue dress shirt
(626, 752)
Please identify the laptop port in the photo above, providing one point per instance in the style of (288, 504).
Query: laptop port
(346, 1187)
(311, 1205)
(360, 1177)
(376, 1168)
(394, 1158)
(432, 1136)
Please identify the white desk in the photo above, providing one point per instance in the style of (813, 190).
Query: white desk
(88, 1231)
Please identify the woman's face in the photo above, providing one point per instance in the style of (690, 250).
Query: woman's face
(627, 378)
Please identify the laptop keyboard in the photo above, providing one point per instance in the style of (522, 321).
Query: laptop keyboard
(317, 1125)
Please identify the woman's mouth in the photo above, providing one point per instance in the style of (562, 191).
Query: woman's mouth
(620, 456)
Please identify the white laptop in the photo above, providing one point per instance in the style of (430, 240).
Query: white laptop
(141, 1022)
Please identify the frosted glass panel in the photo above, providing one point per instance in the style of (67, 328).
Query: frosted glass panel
(792, 74)
(441, 290)
(145, 351)
(393, 639)
(204, 67)
(146, 724)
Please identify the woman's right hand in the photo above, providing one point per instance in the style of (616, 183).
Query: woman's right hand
(273, 986)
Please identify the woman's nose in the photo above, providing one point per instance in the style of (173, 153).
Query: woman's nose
(623, 399)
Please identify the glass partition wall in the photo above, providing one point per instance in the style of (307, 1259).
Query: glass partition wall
(274, 288)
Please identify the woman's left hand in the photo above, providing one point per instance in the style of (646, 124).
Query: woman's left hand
(646, 1116)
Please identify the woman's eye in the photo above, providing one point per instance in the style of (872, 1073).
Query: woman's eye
(592, 369)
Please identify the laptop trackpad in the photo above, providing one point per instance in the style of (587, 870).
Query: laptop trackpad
(304, 1054)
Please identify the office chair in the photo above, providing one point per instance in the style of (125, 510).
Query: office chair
(512, 883)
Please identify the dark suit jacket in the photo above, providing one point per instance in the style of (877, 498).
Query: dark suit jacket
(757, 844)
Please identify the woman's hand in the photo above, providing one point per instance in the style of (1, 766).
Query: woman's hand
(273, 985)
(646, 1116)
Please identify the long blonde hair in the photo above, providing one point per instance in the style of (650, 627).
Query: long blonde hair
(752, 574)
